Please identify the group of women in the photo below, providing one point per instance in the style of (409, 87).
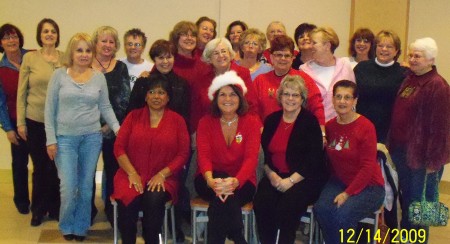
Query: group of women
(220, 99)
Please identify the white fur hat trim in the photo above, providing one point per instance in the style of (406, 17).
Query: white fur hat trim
(227, 78)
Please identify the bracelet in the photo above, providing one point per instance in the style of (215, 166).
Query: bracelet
(291, 180)
(132, 173)
(162, 175)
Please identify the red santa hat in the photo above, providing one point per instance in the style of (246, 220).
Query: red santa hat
(225, 79)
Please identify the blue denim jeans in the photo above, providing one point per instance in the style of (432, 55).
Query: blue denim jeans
(76, 160)
(357, 207)
(411, 185)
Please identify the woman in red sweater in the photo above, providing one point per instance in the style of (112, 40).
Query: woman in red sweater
(356, 187)
(152, 147)
(227, 142)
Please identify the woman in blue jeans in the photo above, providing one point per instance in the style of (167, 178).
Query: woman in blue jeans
(356, 187)
(77, 95)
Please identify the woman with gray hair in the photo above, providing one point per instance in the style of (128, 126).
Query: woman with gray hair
(294, 165)
(251, 46)
(419, 139)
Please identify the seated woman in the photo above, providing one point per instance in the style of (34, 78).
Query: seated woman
(151, 148)
(294, 164)
(228, 143)
(356, 187)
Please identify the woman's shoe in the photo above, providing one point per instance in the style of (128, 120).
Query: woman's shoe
(36, 220)
(79, 238)
(69, 237)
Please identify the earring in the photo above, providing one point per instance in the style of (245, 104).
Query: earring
(354, 108)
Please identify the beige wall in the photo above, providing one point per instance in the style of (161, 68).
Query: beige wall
(156, 18)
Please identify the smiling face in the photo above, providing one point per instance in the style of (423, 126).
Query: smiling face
(386, 50)
(221, 58)
(164, 63)
(82, 55)
(275, 29)
(186, 43)
(205, 32)
(304, 42)
(282, 61)
(235, 34)
(134, 47)
(227, 100)
(10, 42)
(291, 100)
(344, 101)
(106, 45)
(157, 98)
(362, 46)
(49, 35)
(418, 62)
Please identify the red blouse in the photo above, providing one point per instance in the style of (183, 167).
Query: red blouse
(150, 150)
(278, 146)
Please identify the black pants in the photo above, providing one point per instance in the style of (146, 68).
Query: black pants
(45, 197)
(225, 218)
(19, 155)
(277, 210)
(153, 206)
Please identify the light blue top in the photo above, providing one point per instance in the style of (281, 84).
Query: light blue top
(74, 109)
(263, 68)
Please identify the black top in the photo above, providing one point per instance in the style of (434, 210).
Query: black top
(378, 88)
(297, 61)
(304, 152)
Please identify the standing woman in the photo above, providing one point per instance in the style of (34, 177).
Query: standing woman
(361, 46)
(234, 32)
(11, 47)
(206, 32)
(304, 44)
(228, 143)
(35, 73)
(419, 140)
(107, 43)
(77, 97)
(378, 81)
(294, 165)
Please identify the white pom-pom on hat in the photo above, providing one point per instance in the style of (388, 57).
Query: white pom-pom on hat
(225, 79)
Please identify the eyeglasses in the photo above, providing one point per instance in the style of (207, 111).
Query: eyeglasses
(186, 35)
(361, 40)
(346, 97)
(137, 45)
(159, 92)
(415, 56)
(249, 43)
(289, 95)
(10, 37)
(280, 55)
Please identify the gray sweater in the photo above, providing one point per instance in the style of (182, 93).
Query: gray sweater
(74, 109)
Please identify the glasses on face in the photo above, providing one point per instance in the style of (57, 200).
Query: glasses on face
(10, 37)
(281, 55)
(346, 97)
(251, 43)
(289, 95)
(382, 46)
(136, 45)
(361, 40)
(157, 92)
(186, 35)
(414, 56)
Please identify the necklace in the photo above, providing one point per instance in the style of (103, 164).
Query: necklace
(229, 122)
(103, 68)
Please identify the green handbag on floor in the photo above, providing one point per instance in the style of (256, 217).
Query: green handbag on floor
(428, 213)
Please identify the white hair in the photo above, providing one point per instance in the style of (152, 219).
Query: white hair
(211, 45)
(427, 45)
(225, 79)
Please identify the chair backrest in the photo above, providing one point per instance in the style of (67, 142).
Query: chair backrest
(389, 174)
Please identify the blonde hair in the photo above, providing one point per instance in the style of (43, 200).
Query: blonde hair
(71, 46)
(328, 35)
(107, 30)
(294, 82)
(253, 32)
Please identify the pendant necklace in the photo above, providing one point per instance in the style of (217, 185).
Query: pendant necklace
(229, 122)
(103, 68)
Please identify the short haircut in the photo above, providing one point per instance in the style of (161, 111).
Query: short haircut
(346, 84)
(281, 43)
(427, 45)
(253, 32)
(390, 34)
(107, 30)
(302, 29)
(242, 108)
(156, 80)
(161, 47)
(203, 19)
(39, 30)
(182, 27)
(328, 35)
(211, 45)
(295, 82)
(233, 24)
(363, 33)
(276, 22)
(73, 42)
(135, 32)
(8, 29)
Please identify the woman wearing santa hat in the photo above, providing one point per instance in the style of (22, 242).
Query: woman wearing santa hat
(228, 142)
